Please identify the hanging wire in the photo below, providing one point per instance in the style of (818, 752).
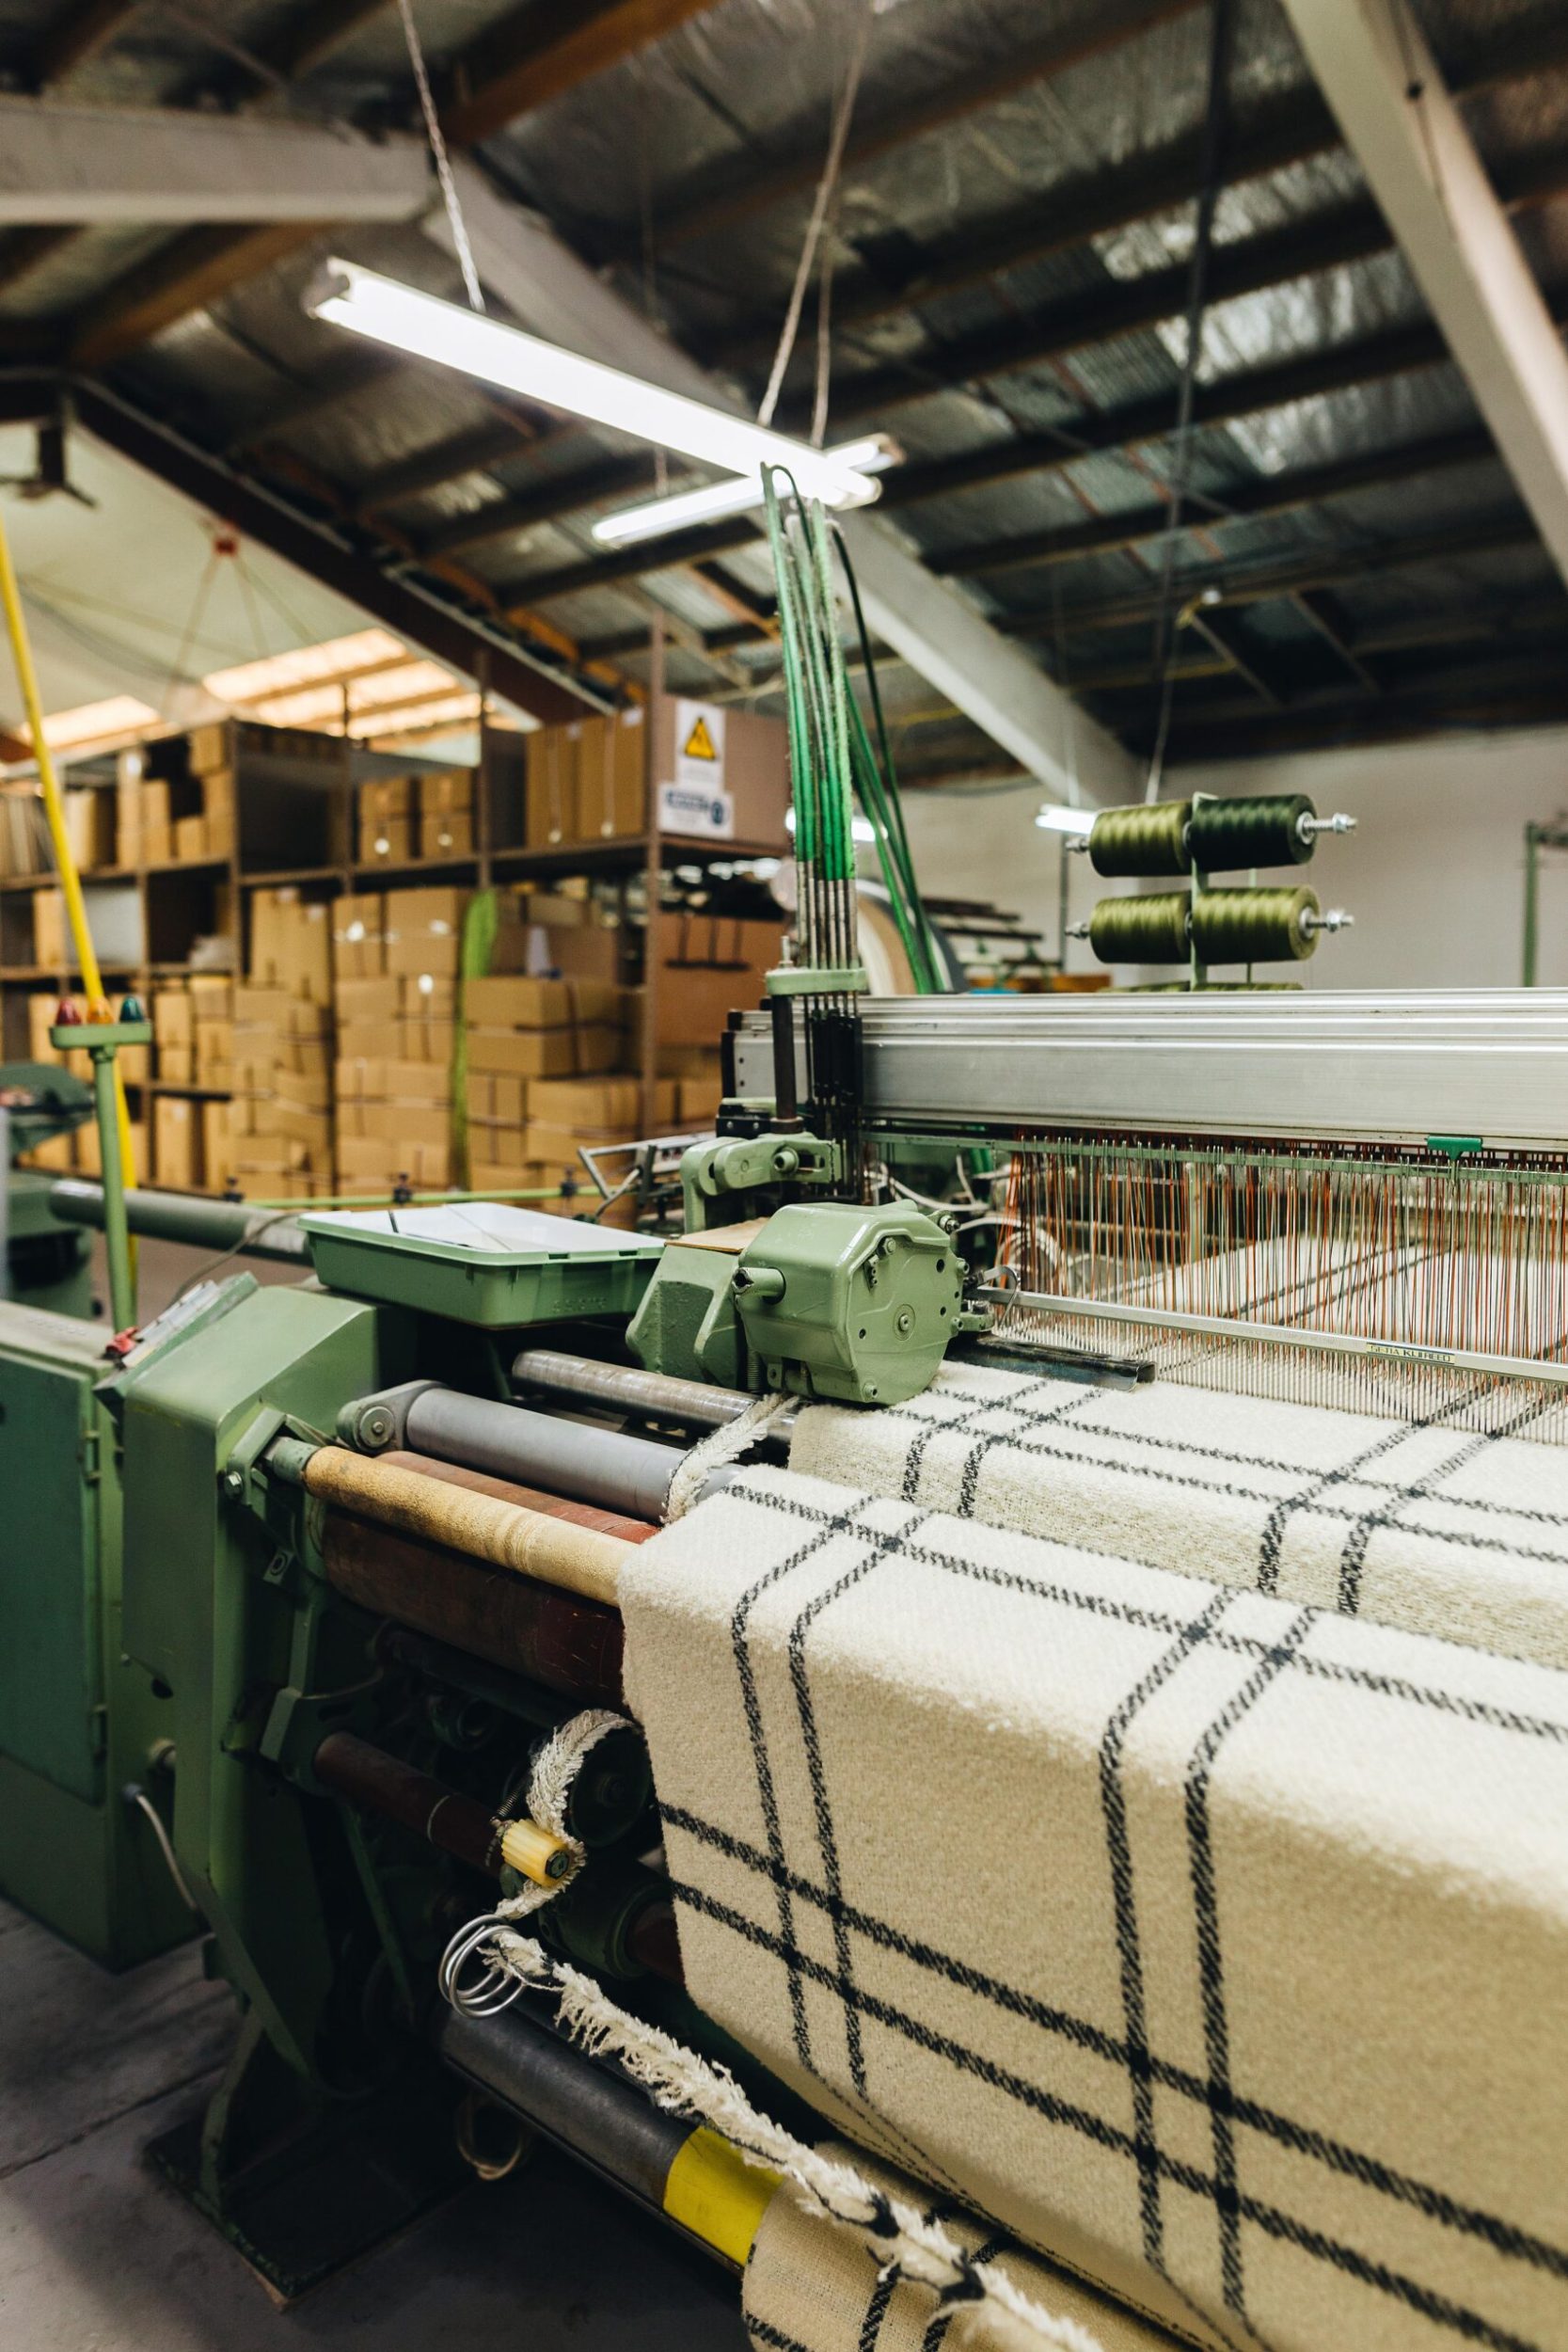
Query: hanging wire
(441, 160)
(827, 189)
(1214, 126)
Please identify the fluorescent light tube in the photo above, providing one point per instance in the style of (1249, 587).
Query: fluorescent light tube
(713, 502)
(389, 313)
(1053, 817)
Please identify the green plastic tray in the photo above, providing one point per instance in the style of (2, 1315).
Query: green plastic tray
(481, 1263)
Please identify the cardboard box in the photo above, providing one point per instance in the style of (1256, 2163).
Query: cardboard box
(211, 994)
(608, 1103)
(177, 1143)
(190, 839)
(290, 943)
(426, 1041)
(497, 1146)
(551, 788)
(556, 1148)
(176, 1066)
(721, 774)
(612, 771)
(498, 1095)
(305, 1089)
(359, 1078)
(89, 825)
(519, 1001)
(359, 936)
(429, 996)
(497, 1176)
(361, 1002)
(446, 813)
(386, 820)
(206, 747)
(365, 1163)
(424, 933)
(173, 1018)
(707, 968)
(418, 1081)
(215, 1149)
(573, 1052)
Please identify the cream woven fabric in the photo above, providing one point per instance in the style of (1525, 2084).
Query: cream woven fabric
(1439, 1529)
(812, 2285)
(1213, 1944)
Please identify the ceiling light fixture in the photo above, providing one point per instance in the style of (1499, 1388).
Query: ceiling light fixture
(715, 502)
(423, 324)
(1053, 816)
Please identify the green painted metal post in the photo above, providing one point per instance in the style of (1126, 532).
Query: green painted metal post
(103, 1039)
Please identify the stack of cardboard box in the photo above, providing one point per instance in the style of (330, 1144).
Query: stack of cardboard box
(273, 1138)
(523, 1032)
(404, 817)
(193, 1031)
(180, 812)
(395, 990)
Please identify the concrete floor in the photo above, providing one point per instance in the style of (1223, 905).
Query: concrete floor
(98, 2254)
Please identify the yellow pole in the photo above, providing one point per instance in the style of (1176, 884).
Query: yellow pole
(65, 864)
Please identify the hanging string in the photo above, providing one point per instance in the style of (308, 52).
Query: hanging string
(827, 188)
(442, 162)
(1198, 299)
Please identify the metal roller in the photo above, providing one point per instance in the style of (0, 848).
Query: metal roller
(600, 1466)
(215, 1225)
(568, 1644)
(623, 1389)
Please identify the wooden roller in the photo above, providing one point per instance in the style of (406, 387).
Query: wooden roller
(552, 1551)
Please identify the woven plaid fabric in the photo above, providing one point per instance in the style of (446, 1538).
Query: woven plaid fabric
(812, 2285)
(1415, 1524)
(1213, 1946)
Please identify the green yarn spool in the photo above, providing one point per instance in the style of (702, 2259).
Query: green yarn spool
(1141, 930)
(1125, 843)
(1250, 926)
(1260, 830)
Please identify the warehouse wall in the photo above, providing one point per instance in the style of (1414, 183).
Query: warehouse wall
(1434, 874)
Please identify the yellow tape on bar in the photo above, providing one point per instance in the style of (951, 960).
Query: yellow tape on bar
(712, 2191)
(65, 864)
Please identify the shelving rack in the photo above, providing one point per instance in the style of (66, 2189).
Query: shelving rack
(295, 826)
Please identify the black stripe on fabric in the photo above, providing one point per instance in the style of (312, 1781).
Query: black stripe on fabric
(1112, 1804)
(1216, 2027)
(1271, 1544)
(830, 1526)
(1369, 2172)
(1439, 2308)
(1033, 1417)
(903, 2150)
(987, 2252)
(826, 1841)
(1353, 1559)
(764, 2331)
(1191, 1447)
(876, 2310)
(1480, 1712)
(1041, 1449)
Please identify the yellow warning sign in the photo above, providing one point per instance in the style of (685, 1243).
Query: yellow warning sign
(699, 745)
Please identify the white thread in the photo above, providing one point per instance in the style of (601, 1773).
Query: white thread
(558, 1762)
(677, 2080)
(721, 1445)
(443, 166)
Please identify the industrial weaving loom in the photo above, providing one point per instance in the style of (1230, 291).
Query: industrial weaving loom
(982, 1722)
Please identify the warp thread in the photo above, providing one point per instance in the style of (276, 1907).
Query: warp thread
(720, 1447)
(902, 2239)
